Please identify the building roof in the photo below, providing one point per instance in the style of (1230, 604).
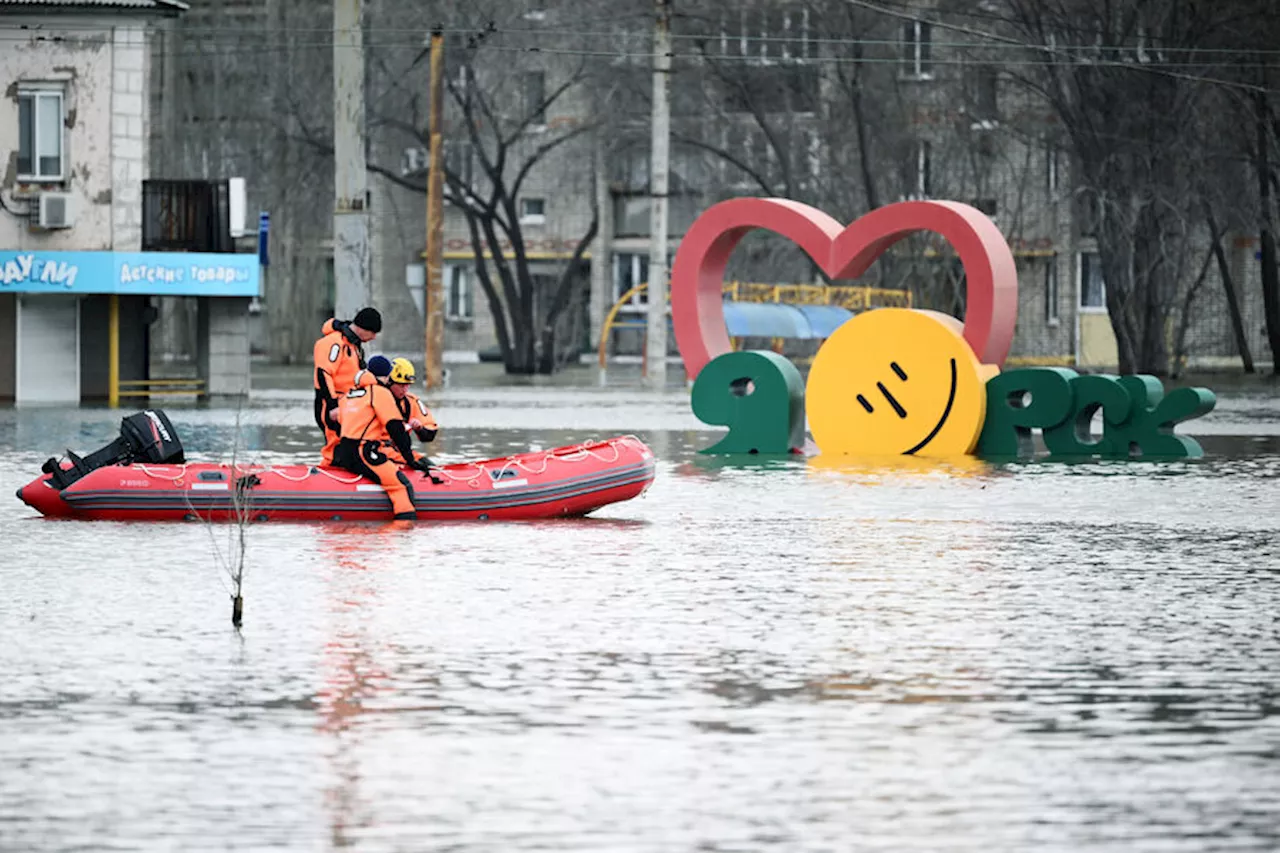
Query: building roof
(144, 7)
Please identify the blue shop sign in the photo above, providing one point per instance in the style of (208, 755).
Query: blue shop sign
(140, 273)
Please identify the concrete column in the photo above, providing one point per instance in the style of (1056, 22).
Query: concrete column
(128, 136)
(8, 344)
(222, 332)
(352, 261)
(659, 164)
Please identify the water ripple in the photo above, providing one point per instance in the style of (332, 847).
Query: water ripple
(762, 654)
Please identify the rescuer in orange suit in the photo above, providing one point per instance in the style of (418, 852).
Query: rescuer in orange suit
(339, 356)
(370, 418)
(375, 373)
(417, 417)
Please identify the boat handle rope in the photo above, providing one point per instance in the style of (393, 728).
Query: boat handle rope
(577, 453)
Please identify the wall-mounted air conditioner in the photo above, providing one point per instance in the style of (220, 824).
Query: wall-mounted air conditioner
(55, 211)
(236, 206)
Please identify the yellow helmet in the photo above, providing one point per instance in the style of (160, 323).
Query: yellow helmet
(401, 372)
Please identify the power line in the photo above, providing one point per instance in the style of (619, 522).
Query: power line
(640, 58)
(280, 48)
(991, 41)
(1051, 49)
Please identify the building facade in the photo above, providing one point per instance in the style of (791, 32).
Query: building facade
(845, 110)
(76, 289)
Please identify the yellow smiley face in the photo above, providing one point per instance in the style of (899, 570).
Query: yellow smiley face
(897, 381)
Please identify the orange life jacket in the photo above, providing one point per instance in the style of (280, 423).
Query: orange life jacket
(366, 411)
(411, 407)
(337, 360)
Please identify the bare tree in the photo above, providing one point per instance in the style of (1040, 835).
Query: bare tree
(227, 80)
(1127, 81)
(500, 90)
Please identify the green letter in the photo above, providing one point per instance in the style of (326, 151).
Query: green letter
(759, 395)
(1148, 431)
(1011, 415)
(1073, 437)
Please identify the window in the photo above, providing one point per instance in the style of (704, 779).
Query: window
(330, 286)
(734, 32)
(1051, 291)
(1093, 289)
(919, 181)
(459, 158)
(457, 298)
(631, 215)
(799, 44)
(630, 269)
(535, 96)
(765, 33)
(985, 94)
(917, 50)
(1088, 213)
(40, 126)
(1051, 169)
(813, 157)
(533, 211)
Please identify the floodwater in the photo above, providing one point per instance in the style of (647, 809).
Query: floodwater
(777, 655)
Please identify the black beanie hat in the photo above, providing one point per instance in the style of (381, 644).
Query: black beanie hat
(369, 318)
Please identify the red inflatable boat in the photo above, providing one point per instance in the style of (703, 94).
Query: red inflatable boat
(566, 481)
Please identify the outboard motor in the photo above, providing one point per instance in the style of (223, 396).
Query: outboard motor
(147, 436)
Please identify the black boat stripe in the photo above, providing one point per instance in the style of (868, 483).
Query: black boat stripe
(425, 497)
(380, 500)
(139, 494)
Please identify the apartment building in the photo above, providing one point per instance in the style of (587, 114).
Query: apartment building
(77, 282)
(843, 111)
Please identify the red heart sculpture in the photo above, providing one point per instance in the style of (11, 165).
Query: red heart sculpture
(697, 277)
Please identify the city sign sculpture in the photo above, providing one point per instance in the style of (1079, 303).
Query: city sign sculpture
(897, 380)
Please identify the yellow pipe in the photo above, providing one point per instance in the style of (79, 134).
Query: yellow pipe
(113, 351)
(612, 316)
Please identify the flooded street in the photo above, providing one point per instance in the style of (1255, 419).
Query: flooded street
(782, 655)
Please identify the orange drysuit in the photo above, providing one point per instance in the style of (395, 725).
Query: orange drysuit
(369, 420)
(338, 356)
(412, 409)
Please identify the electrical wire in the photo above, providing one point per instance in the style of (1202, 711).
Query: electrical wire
(988, 41)
(205, 51)
(258, 41)
(1050, 49)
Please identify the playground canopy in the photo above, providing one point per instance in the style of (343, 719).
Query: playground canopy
(780, 320)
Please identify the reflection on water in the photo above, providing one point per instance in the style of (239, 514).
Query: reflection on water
(807, 654)
(880, 468)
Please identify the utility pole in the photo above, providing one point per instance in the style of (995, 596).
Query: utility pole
(659, 163)
(433, 301)
(352, 259)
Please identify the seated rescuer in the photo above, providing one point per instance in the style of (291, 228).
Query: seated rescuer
(338, 357)
(376, 373)
(369, 418)
(417, 416)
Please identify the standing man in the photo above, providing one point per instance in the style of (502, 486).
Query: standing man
(339, 356)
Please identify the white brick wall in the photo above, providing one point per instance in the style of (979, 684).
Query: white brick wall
(128, 145)
(80, 59)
